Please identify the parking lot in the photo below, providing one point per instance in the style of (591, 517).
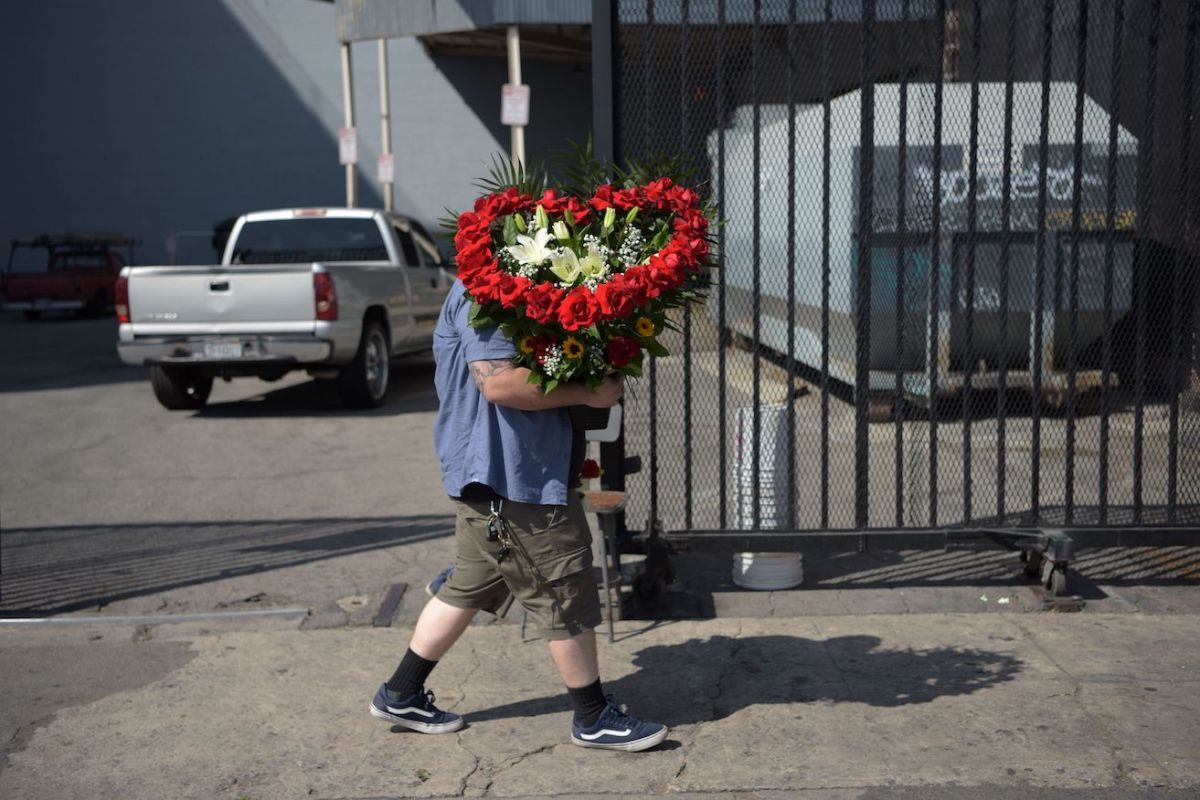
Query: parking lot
(270, 495)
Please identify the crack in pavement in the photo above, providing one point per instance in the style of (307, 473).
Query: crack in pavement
(1107, 737)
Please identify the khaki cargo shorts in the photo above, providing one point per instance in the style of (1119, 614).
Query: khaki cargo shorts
(548, 569)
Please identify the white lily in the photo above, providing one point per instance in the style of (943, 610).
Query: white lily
(560, 231)
(532, 249)
(565, 265)
(592, 265)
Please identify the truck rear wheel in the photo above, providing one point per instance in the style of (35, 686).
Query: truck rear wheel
(32, 315)
(363, 383)
(180, 388)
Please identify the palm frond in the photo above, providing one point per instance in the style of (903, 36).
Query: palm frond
(449, 223)
(528, 179)
(580, 170)
(656, 165)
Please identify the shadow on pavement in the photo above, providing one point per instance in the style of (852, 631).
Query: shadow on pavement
(701, 577)
(61, 353)
(55, 570)
(701, 680)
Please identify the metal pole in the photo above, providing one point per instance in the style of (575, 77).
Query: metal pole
(514, 77)
(604, 101)
(385, 118)
(862, 305)
(1073, 295)
(348, 117)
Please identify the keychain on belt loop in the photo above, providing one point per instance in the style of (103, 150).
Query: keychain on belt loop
(498, 530)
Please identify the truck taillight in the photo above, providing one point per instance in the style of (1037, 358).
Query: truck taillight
(325, 296)
(121, 301)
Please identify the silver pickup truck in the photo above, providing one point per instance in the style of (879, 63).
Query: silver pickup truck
(337, 292)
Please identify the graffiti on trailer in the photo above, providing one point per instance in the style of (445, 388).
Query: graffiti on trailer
(1026, 179)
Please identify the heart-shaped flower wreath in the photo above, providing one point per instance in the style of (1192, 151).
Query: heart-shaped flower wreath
(583, 285)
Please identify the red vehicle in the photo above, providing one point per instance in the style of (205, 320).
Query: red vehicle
(65, 272)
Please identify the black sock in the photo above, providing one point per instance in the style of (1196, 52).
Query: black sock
(410, 676)
(589, 702)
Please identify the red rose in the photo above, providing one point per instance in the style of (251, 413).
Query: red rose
(655, 193)
(484, 285)
(638, 285)
(622, 350)
(698, 249)
(470, 225)
(550, 201)
(541, 303)
(512, 289)
(579, 309)
(603, 198)
(540, 345)
(473, 254)
(626, 199)
(693, 224)
(472, 233)
(579, 212)
(664, 273)
(590, 469)
(487, 204)
(501, 203)
(615, 298)
(682, 199)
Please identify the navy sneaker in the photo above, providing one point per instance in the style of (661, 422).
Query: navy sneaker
(616, 730)
(432, 587)
(417, 712)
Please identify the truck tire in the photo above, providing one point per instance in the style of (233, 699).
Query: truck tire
(363, 383)
(32, 315)
(98, 306)
(180, 388)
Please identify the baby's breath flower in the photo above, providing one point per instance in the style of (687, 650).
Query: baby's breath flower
(553, 359)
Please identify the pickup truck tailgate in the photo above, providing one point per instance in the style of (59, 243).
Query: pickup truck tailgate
(235, 299)
(19, 286)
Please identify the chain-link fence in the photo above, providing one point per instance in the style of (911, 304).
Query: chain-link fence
(957, 258)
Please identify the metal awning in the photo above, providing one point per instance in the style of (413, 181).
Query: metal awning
(465, 23)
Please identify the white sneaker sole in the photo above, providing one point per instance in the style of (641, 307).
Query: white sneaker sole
(644, 743)
(421, 727)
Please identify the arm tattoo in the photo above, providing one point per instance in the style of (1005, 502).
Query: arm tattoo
(482, 370)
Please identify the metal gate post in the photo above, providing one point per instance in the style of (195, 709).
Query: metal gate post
(604, 147)
(866, 211)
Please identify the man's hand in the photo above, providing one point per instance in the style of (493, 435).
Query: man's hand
(607, 394)
(503, 383)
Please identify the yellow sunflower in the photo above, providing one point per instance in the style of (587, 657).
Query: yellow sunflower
(644, 327)
(526, 344)
(572, 348)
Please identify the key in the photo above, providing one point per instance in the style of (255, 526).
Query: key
(502, 553)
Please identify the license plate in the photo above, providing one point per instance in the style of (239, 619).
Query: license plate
(222, 349)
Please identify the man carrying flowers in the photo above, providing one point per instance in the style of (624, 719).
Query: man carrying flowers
(557, 300)
(509, 458)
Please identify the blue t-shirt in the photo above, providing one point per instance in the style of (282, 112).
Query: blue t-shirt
(521, 455)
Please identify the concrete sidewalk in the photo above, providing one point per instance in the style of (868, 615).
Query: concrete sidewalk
(905, 705)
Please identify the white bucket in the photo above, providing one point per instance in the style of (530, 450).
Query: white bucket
(773, 492)
(767, 571)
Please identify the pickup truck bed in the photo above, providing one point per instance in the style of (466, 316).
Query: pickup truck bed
(252, 317)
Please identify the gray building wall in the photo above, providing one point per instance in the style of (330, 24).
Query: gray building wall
(145, 117)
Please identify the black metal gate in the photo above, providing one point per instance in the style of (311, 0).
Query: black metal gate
(956, 292)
